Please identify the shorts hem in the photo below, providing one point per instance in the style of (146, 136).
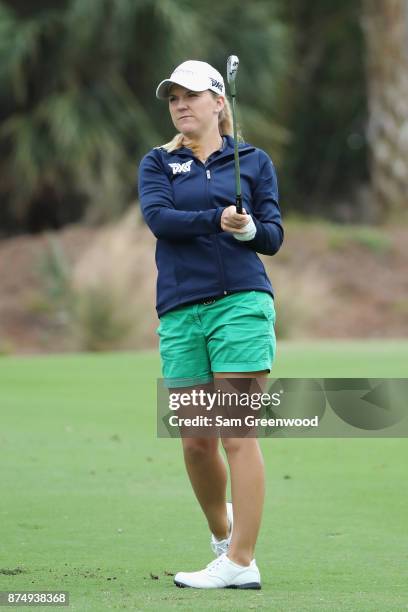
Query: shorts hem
(187, 381)
(248, 366)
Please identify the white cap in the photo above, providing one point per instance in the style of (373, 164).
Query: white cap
(195, 76)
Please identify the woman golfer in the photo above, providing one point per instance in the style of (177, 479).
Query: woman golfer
(214, 299)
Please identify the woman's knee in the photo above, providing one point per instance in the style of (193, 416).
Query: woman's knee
(235, 445)
(198, 449)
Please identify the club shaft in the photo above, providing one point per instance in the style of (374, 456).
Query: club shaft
(238, 198)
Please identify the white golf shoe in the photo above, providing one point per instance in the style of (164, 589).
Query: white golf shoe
(222, 573)
(220, 547)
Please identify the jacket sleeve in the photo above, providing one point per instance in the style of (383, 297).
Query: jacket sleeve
(158, 209)
(266, 213)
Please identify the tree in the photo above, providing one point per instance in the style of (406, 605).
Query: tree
(69, 118)
(324, 106)
(78, 108)
(385, 24)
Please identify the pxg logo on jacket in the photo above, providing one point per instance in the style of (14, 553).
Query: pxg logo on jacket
(179, 168)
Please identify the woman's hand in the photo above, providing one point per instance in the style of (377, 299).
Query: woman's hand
(233, 222)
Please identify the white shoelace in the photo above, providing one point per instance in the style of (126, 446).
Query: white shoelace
(213, 565)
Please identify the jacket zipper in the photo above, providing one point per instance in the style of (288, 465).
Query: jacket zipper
(217, 246)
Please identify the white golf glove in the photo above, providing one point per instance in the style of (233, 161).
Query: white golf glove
(250, 231)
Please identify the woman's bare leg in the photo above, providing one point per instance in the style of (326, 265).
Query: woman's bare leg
(208, 475)
(247, 486)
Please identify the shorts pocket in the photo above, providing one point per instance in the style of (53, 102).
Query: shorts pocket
(165, 323)
(266, 304)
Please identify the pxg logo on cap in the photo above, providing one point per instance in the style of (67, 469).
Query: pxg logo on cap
(217, 84)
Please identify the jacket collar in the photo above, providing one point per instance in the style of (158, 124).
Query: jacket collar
(227, 150)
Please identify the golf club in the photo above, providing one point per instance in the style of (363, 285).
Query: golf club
(232, 69)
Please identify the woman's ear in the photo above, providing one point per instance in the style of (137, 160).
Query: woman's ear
(220, 103)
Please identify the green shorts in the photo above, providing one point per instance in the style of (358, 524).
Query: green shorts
(233, 334)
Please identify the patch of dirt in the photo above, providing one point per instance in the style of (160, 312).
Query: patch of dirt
(361, 290)
(324, 288)
(24, 326)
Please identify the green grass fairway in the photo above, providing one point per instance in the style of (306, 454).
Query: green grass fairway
(93, 503)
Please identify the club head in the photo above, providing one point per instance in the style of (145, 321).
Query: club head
(232, 68)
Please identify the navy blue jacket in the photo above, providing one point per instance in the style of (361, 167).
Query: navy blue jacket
(182, 200)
